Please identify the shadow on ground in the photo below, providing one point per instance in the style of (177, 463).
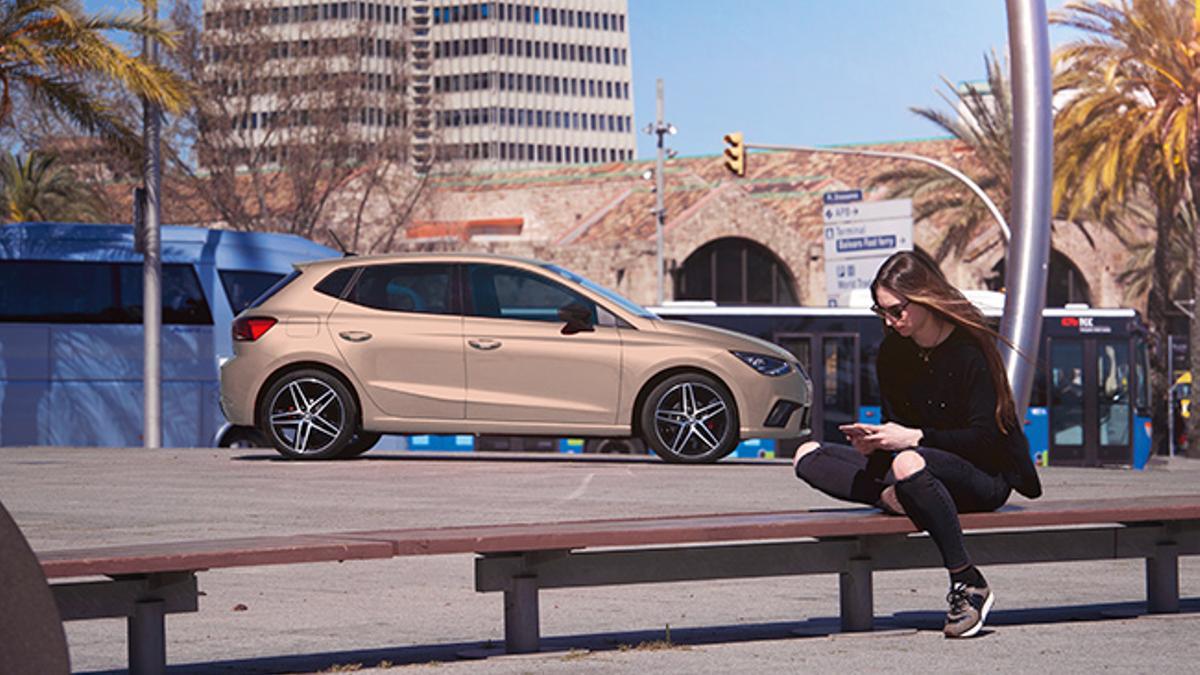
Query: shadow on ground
(497, 456)
(894, 626)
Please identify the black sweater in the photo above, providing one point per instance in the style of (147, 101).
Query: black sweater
(950, 398)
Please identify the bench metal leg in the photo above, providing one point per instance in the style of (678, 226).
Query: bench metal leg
(857, 596)
(521, 629)
(147, 638)
(1162, 580)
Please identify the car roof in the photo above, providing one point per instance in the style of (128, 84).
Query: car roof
(450, 257)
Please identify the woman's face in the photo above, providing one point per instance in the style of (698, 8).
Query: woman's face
(903, 316)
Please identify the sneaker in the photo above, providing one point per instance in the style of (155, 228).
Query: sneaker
(969, 607)
(889, 503)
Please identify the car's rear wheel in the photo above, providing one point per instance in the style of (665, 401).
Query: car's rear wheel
(362, 442)
(690, 418)
(309, 414)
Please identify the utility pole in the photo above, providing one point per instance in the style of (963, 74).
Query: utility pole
(659, 128)
(152, 251)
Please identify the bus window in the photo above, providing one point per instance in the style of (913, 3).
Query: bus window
(1066, 393)
(44, 291)
(840, 368)
(1114, 411)
(183, 300)
(1141, 377)
(1037, 392)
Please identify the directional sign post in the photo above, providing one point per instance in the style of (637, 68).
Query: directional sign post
(859, 236)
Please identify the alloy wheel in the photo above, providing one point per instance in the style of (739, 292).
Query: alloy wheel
(690, 419)
(307, 415)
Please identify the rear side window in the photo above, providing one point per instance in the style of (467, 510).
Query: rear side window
(242, 287)
(334, 284)
(42, 291)
(275, 288)
(416, 287)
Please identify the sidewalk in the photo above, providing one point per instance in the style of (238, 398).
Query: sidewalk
(420, 613)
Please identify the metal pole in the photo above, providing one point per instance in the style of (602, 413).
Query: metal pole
(962, 178)
(1170, 395)
(152, 262)
(660, 129)
(1032, 147)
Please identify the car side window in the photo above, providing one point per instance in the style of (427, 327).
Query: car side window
(508, 293)
(422, 288)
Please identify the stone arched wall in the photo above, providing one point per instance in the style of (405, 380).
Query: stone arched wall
(730, 212)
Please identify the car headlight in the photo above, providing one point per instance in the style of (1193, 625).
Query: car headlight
(767, 365)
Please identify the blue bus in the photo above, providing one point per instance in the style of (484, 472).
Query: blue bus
(71, 334)
(1090, 402)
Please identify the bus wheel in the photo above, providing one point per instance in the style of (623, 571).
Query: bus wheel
(362, 442)
(690, 418)
(309, 414)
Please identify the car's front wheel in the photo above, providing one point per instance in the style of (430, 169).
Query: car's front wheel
(690, 418)
(309, 414)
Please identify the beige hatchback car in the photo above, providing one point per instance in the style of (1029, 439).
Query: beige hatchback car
(342, 351)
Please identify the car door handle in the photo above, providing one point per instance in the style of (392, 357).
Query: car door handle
(484, 344)
(355, 335)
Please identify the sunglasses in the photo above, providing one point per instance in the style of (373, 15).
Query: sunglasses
(895, 312)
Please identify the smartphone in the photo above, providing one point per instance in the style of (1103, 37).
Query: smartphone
(853, 430)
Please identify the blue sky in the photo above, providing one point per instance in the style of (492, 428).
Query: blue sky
(806, 72)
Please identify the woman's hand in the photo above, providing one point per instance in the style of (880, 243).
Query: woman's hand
(888, 436)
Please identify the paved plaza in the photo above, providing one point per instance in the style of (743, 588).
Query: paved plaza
(422, 614)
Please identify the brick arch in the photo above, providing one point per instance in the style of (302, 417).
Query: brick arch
(1066, 281)
(730, 212)
(759, 275)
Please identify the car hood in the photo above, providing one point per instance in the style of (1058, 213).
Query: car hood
(723, 337)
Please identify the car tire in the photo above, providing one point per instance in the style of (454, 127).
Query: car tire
(361, 443)
(308, 414)
(690, 418)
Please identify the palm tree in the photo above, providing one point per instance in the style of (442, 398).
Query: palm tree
(1130, 124)
(34, 187)
(983, 121)
(52, 55)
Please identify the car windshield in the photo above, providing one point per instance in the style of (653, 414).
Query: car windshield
(618, 299)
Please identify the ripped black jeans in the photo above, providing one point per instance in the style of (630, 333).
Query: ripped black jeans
(932, 497)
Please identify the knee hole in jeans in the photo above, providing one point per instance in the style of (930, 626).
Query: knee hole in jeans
(907, 463)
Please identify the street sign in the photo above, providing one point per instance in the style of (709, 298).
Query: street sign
(842, 196)
(891, 208)
(859, 237)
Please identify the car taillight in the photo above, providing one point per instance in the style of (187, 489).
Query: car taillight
(250, 328)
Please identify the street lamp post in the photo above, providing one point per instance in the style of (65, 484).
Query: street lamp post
(659, 128)
(152, 251)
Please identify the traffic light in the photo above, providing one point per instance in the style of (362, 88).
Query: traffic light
(735, 154)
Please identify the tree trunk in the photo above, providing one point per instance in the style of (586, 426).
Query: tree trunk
(1157, 307)
(1193, 422)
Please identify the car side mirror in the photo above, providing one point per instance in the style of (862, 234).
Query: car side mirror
(578, 319)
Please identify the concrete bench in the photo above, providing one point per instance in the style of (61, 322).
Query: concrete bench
(146, 582)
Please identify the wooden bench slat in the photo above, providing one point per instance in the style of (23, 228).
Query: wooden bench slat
(210, 554)
(644, 531)
(766, 525)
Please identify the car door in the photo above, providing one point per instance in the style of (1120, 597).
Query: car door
(400, 331)
(521, 367)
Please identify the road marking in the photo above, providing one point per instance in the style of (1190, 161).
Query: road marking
(582, 487)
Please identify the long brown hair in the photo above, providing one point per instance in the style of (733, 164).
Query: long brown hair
(915, 277)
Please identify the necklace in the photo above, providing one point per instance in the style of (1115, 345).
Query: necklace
(926, 352)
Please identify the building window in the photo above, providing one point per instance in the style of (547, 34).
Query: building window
(735, 271)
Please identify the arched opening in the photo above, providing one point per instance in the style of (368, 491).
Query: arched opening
(1064, 283)
(735, 271)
